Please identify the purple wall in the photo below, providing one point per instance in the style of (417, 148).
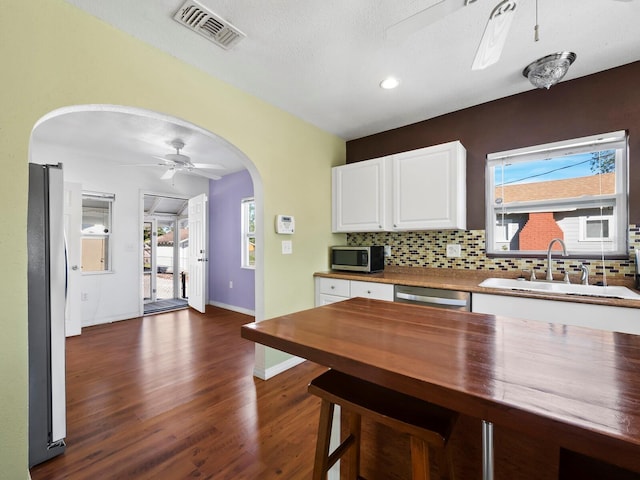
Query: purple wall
(225, 196)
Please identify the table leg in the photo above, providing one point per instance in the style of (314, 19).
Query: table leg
(487, 450)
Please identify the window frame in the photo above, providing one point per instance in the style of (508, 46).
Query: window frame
(246, 233)
(610, 219)
(108, 199)
(618, 224)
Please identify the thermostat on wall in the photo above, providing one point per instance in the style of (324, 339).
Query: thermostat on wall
(285, 224)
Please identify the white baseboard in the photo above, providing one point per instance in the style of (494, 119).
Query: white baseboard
(233, 308)
(110, 319)
(129, 316)
(266, 374)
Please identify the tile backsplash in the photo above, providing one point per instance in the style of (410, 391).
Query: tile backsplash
(428, 249)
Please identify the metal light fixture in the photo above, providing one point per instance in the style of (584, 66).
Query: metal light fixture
(549, 70)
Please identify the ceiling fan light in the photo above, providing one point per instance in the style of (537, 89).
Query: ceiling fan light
(547, 71)
(168, 175)
(389, 83)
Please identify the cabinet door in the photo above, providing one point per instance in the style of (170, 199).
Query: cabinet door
(378, 291)
(359, 196)
(429, 188)
(327, 299)
(600, 317)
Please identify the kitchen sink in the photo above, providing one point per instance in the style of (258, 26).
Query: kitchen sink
(560, 288)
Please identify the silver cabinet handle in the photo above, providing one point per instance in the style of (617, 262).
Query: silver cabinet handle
(75, 267)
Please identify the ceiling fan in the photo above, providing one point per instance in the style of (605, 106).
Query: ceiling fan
(493, 38)
(178, 162)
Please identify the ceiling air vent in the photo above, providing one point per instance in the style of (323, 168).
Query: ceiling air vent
(208, 24)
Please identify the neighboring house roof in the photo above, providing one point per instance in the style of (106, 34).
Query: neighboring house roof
(569, 188)
(166, 240)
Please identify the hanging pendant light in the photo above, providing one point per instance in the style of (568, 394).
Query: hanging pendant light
(547, 71)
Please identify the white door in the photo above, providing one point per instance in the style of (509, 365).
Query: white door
(198, 252)
(149, 262)
(72, 231)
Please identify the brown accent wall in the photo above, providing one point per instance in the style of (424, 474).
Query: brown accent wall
(598, 103)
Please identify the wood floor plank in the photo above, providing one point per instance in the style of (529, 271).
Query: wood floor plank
(173, 396)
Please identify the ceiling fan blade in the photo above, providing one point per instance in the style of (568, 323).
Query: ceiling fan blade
(143, 165)
(204, 174)
(168, 175)
(208, 166)
(495, 35)
(164, 160)
(424, 18)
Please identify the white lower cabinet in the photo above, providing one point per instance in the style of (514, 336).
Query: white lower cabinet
(601, 317)
(327, 299)
(330, 290)
(379, 291)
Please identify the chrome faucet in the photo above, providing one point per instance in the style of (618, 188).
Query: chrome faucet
(564, 254)
(584, 275)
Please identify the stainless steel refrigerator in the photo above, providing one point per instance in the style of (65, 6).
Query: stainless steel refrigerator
(46, 292)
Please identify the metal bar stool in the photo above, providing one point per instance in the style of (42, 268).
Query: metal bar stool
(427, 425)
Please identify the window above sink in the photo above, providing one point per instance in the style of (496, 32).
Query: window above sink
(575, 190)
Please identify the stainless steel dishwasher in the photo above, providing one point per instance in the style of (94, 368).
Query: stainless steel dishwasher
(432, 297)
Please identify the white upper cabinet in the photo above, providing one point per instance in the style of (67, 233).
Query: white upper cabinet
(359, 196)
(428, 188)
(421, 189)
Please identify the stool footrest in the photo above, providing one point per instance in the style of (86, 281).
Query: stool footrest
(340, 451)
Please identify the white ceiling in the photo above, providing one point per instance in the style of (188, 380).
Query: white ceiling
(130, 137)
(323, 60)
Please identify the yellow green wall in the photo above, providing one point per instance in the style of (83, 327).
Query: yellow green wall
(53, 56)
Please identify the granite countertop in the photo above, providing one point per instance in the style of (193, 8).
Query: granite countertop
(468, 281)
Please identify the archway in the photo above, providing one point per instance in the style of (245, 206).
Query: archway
(80, 134)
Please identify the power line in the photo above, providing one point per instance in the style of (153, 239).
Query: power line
(543, 173)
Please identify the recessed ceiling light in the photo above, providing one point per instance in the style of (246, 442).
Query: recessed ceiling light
(389, 83)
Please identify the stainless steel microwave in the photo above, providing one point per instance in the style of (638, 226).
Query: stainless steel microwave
(358, 259)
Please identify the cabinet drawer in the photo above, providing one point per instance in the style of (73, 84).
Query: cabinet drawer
(379, 291)
(333, 286)
(327, 299)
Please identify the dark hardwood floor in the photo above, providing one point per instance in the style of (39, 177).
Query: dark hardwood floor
(172, 396)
